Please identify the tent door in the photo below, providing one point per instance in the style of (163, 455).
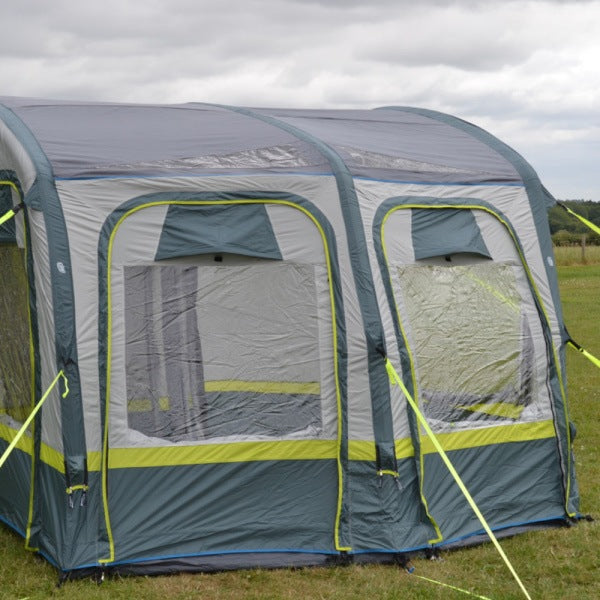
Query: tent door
(468, 326)
(221, 377)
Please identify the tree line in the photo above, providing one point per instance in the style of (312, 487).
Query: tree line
(566, 230)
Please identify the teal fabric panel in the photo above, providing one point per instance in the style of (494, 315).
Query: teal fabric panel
(249, 506)
(445, 232)
(511, 483)
(68, 536)
(241, 229)
(14, 488)
(387, 513)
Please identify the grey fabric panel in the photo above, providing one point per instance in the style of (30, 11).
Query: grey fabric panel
(244, 229)
(283, 505)
(405, 146)
(445, 232)
(95, 139)
(511, 483)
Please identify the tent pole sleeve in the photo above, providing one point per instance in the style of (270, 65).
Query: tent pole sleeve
(395, 379)
(34, 412)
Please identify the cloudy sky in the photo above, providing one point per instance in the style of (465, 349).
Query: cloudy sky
(528, 71)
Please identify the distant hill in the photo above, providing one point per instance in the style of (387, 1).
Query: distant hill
(566, 229)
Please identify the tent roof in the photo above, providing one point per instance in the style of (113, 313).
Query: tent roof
(90, 139)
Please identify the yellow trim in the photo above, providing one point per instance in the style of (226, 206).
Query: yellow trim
(538, 297)
(496, 409)
(264, 387)
(48, 455)
(25, 443)
(21, 432)
(364, 450)
(105, 453)
(488, 436)
(53, 458)
(13, 185)
(358, 450)
(395, 379)
(74, 488)
(383, 472)
(138, 405)
(205, 454)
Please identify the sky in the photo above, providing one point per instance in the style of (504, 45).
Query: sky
(527, 71)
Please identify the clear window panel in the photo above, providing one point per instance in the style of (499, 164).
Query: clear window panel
(471, 342)
(222, 352)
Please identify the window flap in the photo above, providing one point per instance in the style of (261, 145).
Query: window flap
(236, 229)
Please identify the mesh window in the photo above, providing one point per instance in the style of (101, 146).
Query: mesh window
(15, 361)
(471, 341)
(226, 351)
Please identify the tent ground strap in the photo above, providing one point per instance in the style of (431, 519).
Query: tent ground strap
(583, 351)
(452, 587)
(7, 216)
(395, 379)
(585, 221)
(30, 418)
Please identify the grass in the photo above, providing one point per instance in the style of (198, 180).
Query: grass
(554, 564)
(575, 255)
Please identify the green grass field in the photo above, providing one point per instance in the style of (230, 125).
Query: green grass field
(554, 564)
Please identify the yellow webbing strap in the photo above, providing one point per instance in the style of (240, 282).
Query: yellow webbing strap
(395, 379)
(30, 418)
(452, 587)
(7, 216)
(585, 221)
(583, 351)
